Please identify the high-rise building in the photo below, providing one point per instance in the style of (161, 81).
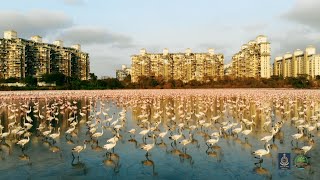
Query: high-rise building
(299, 63)
(122, 73)
(20, 58)
(277, 66)
(178, 66)
(253, 60)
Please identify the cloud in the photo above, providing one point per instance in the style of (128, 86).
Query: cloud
(35, 22)
(292, 39)
(304, 12)
(95, 35)
(104, 59)
(74, 2)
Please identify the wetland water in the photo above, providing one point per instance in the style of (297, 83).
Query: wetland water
(52, 123)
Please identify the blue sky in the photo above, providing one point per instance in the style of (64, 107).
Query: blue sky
(112, 30)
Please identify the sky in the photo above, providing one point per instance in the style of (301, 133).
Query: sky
(113, 30)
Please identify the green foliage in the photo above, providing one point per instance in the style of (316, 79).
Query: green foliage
(300, 82)
(58, 78)
(93, 77)
(31, 81)
(152, 82)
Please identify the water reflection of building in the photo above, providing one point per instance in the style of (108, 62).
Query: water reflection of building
(178, 66)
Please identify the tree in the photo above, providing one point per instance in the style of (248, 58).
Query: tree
(31, 81)
(58, 78)
(93, 77)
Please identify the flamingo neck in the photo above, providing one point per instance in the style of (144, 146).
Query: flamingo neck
(268, 149)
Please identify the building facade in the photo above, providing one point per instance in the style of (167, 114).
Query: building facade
(178, 66)
(122, 73)
(253, 60)
(20, 58)
(299, 63)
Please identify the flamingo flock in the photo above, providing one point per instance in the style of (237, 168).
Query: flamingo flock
(170, 120)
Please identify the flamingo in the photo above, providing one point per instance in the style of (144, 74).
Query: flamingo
(237, 130)
(144, 132)
(211, 142)
(261, 152)
(267, 138)
(148, 147)
(114, 139)
(306, 148)
(132, 132)
(97, 135)
(176, 136)
(23, 142)
(70, 130)
(27, 125)
(108, 120)
(55, 135)
(46, 133)
(163, 134)
(110, 146)
(6, 134)
(247, 132)
(78, 149)
(297, 136)
(81, 113)
(186, 142)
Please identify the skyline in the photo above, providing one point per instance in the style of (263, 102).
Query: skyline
(112, 31)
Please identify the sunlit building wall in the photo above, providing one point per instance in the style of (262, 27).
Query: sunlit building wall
(315, 66)
(287, 65)
(178, 66)
(253, 60)
(20, 58)
(277, 66)
(299, 63)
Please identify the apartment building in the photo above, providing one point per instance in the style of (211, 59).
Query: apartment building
(253, 59)
(298, 63)
(178, 66)
(122, 73)
(20, 58)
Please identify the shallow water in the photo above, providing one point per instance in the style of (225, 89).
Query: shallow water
(230, 158)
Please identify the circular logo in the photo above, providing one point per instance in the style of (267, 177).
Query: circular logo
(301, 161)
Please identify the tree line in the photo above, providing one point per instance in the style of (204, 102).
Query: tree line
(70, 83)
(301, 82)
